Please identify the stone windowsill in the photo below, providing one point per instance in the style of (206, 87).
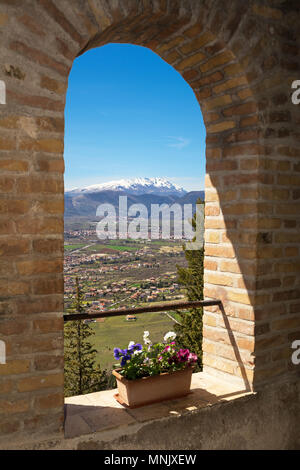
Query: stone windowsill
(97, 412)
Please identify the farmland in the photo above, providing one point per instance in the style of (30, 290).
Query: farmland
(122, 274)
(117, 332)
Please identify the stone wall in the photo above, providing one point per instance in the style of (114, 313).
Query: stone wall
(268, 420)
(240, 58)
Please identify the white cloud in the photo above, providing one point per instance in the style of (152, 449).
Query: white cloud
(178, 142)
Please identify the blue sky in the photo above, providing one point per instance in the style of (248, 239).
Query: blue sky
(130, 114)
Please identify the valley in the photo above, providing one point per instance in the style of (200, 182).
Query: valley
(122, 274)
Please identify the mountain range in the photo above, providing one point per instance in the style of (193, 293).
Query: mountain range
(147, 191)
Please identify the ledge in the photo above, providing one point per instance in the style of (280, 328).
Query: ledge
(100, 412)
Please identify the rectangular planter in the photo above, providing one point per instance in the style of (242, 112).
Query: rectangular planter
(166, 386)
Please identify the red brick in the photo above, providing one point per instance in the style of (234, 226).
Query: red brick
(8, 407)
(34, 344)
(6, 387)
(217, 61)
(32, 25)
(48, 362)
(48, 325)
(13, 327)
(46, 402)
(64, 49)
(35, 267)
(33, 184)
(190, 74)
(42, 145)
(9, 426)
(47, 165)
(6, 184)
(14, 165)
(14, 367)
(7, 144)
(30, 384)
(58, 16)
(48, 245)
(197, 43)
(48, 286)
(208, 80)
(12, 288)
(52, 124)
(194, 30)
(35, 101)
(53, 85)
(40, 305)
(39, 57)
(40, 225)
(241, 109)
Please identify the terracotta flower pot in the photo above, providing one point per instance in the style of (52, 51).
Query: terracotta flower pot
(166, 386)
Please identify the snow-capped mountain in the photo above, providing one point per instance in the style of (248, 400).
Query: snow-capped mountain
(147, 191)
(136, 186)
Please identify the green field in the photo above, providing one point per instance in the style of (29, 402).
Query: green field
(125, 247)
(122, 248)
(117, 333)
(101, 248)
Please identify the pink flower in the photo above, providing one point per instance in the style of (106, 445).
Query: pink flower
(192, 358)
(183, 355)
(173, 359)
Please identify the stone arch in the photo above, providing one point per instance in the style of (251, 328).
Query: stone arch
(225, 97)
(222, 51)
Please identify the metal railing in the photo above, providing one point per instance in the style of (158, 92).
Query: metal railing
(162, 307)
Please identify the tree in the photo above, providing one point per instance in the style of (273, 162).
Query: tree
(82, 374)
(189, 332)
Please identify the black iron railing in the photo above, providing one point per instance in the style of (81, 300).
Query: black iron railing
(162, 307)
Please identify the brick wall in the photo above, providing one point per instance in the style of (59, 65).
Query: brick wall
(240, 59)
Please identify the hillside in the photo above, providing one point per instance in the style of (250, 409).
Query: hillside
(84, 202)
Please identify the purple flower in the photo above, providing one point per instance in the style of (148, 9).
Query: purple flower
(135, 347)
(125, 358)
(117, 353)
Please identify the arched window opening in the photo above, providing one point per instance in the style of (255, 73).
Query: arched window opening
(135, 168)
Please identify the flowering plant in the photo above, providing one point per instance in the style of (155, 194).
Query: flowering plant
(139, 361)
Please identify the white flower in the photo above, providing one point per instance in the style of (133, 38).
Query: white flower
(146, 337)
(170, 336)
(136, 351)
